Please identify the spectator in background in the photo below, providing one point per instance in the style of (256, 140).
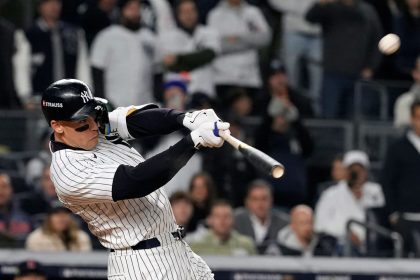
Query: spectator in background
(175, 94)
(157, 15)
(240, 104)
(402, 112)
(283, 136)
(351, 31)
(204, 8)
(191, 48)
(14, 58)
(98, 15)
(122, 59)
(44, 198)
(35, 165)
(401, 182)
(299, 239)
(202, 193)
(14, 223)
(58, 233)
(406, 24)
(258, 220)
(282, 92)
(338, 173)
(70, 10)
(182, 207)
(59, 49)
(301, 40)
(386, 9)
(30, 270)
(349, 200)
(221, 238)
(199, 101)
(243, 30)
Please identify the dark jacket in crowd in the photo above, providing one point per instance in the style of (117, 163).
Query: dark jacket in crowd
(94, 20)
(243, 224)
(408, 29)
(8, 96)
(351, 34)
(401, 177)
(39, 36)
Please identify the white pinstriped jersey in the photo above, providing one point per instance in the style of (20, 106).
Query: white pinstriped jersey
(83, 182)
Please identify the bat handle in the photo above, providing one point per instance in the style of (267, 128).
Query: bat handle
(232, 140)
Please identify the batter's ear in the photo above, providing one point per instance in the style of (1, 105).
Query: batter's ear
(58, 128)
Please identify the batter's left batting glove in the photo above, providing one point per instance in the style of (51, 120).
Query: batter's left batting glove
(208, 134)
(193, 120)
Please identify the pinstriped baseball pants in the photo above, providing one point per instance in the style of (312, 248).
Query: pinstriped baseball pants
(173, 260)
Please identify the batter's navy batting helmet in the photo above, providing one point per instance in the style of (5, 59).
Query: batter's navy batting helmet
(72, 100)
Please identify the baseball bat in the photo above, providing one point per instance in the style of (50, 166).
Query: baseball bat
(260, 160)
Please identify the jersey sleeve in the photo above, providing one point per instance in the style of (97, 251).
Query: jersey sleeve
(80, 179)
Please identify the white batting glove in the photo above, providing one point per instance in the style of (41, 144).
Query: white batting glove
(207, 134)
(193, 120)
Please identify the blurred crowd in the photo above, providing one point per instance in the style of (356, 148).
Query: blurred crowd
(265, 67)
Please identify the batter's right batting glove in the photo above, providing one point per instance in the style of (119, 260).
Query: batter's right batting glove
(207, 134)
(193, 120)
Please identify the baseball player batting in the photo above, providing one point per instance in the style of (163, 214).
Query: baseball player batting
(101, 178)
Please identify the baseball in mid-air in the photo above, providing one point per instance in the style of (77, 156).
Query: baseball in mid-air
(389, 44)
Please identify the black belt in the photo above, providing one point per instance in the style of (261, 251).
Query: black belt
(154, 242)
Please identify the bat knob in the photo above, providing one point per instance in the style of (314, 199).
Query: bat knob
(277, 171)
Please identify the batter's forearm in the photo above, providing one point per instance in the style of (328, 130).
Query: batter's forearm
(158, 121)
(134, 182)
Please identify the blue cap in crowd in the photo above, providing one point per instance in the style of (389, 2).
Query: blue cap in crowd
(175, 83)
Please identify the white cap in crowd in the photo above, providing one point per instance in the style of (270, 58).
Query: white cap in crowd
(356, 156)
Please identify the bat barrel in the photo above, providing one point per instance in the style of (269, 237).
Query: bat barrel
(262, 161)
(277, 171)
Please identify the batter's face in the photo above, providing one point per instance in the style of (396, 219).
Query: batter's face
(78, 134)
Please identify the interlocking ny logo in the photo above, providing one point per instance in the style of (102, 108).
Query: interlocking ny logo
(85, 96)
